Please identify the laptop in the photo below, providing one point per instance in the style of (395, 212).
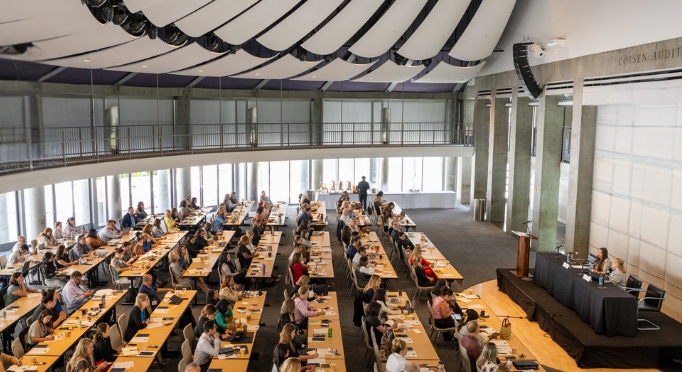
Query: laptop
(525, 364)
(174, 300)
(27, 265)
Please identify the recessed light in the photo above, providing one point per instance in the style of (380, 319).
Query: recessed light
(257, 74)
(87, 60)
(370, 78)
(314, 76)
(201, 70)
(144, 66)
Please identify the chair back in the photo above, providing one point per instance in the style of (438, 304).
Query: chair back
(291, 276)
(29, 320)
(365, 335)
(182, 365)
(286, 294)
(466, 363)
(123, 323)
(238, 265)
(654, 297)
(375, 347)
(188, 332)
(17, 349)
(376, 368)
(116, 338)
(171, 276)
(22, 337)
(635, 283)
(186, 350)
(3, 262)
(34, 244)
(432, 321)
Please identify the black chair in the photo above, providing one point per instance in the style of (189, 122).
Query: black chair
(633, 285)
(651, 302)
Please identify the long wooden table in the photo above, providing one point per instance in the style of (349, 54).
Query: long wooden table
(204, 263)
(240, 212)
(43, 362)
(375, 249)
(414, 330)
(321, 263)
(268, 242)
(319, 211)
(274, 221)
(441, 266)
(328, 303)
(163, 320)
(13, 313)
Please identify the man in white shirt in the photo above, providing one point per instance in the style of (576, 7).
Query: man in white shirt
(208, 345)
(346, 216)
(109, 232)
(362, 252)
(74, 296)
(21, 240)
(18, 255)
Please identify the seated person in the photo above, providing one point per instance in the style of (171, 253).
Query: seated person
(396, 362)
(80, 250)
(49, 301)
(18, 255)
(128, 219)
(75, 296)
(362, 252)
(152, 291)
(46, 238)
(139, 316)
(470, 343)
(177, 271)
(443, 315)
(298, 267)
(304, 309)
(49, 271)
(374, 322)
(109, 232)
(41, 329)
(104, 352)
(17, 288)
(426, 265)
(602, 265)
(617, 275)
(93, 240)
(404, 244)
(208, 345)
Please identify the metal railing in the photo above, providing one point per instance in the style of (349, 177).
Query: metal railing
(25, 149)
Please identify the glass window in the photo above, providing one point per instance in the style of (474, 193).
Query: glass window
(330, 171)
(210, 173)
(263, 179)
(298, 178)
(9, 228)
(101, 212)
(195, 183)
(125, 194)
(141, 189)
(162, 190)
(433, 174)
(395, 174)
(279, 184)
(362, 168)
(64, 198)
(81, 193)
(49, 207)
(225, 180)
(346, 172)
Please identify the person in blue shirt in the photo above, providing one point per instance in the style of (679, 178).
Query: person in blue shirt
(128, 219)
(150, 290)
(218, 221)
(352, 249)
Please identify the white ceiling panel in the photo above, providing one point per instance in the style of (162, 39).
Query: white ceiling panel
(342, 27)
(169, 11)
(294, 27)
(133, 51)
(82, 42)
(388, 29)
(447, 73)
(179, 59)
(255, 20)
(337, 70)
(283, 68)
(136, 5)
(389, 72)
(483, 32)
(13, 10)
(434, 32)
(67, 18)
(212, 16)
(228, 65)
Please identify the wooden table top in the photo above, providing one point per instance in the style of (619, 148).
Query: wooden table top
(157, 253)
(43, 362)
(271, 241)
(328, 303)
(321, 264)
(277, 209)
(320, 239)
(242, 210)
(421, 342)
(378, 256)
(441, 266)
(18, 309)
(204, 263)
(253, 304)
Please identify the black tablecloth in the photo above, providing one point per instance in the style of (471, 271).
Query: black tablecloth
(610, 311)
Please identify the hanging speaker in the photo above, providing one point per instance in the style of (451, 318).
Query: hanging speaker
(523, 71)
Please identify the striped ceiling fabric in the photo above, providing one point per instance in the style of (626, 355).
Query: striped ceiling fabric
(212, 16)
(283, 68)
(255, 20)
(225, 66)
(336, 70)
(133, 51)
(446, 73)
(483, 33)
(389, 72)
(179, 59)
(168, 11)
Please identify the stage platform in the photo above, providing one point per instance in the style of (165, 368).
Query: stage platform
(649, 349)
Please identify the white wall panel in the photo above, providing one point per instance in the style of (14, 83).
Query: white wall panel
(12, 109)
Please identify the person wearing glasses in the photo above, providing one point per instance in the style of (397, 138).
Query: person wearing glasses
(74, 296)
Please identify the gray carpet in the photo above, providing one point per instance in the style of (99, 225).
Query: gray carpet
(476, 249)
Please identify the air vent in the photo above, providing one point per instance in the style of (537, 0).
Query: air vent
(503, 92)
(641, 77)
(560, 87)
(484, 93)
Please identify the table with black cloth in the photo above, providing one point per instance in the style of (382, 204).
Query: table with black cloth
(610, 311)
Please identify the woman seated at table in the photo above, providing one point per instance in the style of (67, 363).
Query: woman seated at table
(157, 231)
(178, 270)
(57, 230)
(144, 244)
(305, 239)
(50, 301)
(374, 321)
(183, 211)
(46, 238)
(470, 317)
(288, 337)
(617, 275)
(373, 284)
(364, 271)
(208, 313)
(40, 329)
(346, 234)
(298, 267)
(82, 359)
(49, 271)
(418, 262)
(169, 220)
(435, 292)
(259, 213)
(103, 351)
(62, 258)
(223, 316)
(602, 265)
(287, 316)
(488, 361)
(304, 225)
(228, 289)
(303, 308)
(93, 240)
(244, 254)
(196, 244)
(17, 288)
(304, 280)
(443, 315)
(175, 215)
(148, 229)
(227, 267)
(380, 298)
(139, 316)
(257, 231)
(396, 362)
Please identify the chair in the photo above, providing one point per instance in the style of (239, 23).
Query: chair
(34, 244)
(366, 337)
(116, 338)
(188, 332)
(465, 357)
(17, 349)
(377, 354)
(120, 283)
(291, 276)
(3, 262)
(186, 350)
(652, 301)
(123, 324)
(286, 294)
(29, 320)
(418, 289)
(238, 265)
(433, 323)
(376, 368)
(633, 285)
(175, 285)
(182, 365)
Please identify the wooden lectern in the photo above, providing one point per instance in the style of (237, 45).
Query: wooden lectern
(523, 253)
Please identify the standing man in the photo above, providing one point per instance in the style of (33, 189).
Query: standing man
(363, 187)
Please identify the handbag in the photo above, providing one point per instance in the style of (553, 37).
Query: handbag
(505, 330)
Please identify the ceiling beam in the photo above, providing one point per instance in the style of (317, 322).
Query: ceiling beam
(125, 78)
(195, 82)
(261, 84)
(393, 84)
(51, 73)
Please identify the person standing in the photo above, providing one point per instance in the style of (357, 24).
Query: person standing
(363, 187)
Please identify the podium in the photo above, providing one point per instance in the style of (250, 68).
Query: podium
(523, 253)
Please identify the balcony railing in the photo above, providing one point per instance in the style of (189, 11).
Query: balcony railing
(26, 149)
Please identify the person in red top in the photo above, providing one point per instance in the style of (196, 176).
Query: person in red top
(426, 265)
(470, 343)
(298, 269)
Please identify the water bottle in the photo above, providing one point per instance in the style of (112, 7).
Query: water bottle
(329, 332)
(568, 258)
(601, 281)
(441, 366)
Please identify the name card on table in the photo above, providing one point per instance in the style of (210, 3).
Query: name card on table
(587, 277)
(566, 265)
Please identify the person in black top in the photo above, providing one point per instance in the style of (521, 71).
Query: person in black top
(404, 244)
(49, 302)
(363, 187)
(377, 202)
(128, 219)
(138, 317)
(140, 214)
(193, 203)
(196, 245)
(103, 350)
(244, 254)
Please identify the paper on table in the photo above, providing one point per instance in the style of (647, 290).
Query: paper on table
(464, 300)
(124, 365)
(38, 350)
(316, 361)
(252, 328)
(139, 339)
(415, 330)
(317, 331)
(411, 354)
(129, 351)
(161, 311)
(154, 325)
(473, 296)
(475, 306)
(104, 292)
(33, 295)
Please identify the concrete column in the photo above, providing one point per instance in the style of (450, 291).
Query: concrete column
(464, 180)
(184, 138)
(520, 141)
(252, 170)
(4, 220)
(317, 120)
(497, 160)
(35, 121)
(37, 221)
(114, 205)
(162, 191)
(479, 162)
(450, 174)
(549, 125)
(183, 187)
(316, 173)
(239, 172)
(579, 206)
(383, 175)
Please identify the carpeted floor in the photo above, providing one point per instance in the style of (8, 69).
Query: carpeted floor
(476, 249)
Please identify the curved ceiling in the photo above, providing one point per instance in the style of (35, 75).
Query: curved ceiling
(323, 41)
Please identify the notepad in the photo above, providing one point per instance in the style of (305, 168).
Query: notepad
(315, 339)
(130, 351)
(123, 365)
(142, 337)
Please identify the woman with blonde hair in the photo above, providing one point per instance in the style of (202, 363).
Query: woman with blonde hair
(487, 362)
(244, 254)
(82, 358)
(148, 229)
(169, 220)
(304, 280)
(303, 308)
(617, 276)
(139, 316)
(47, 238)
(422, 268)
(288, 337)
(396, 362)
(228, 289)
(177, 271)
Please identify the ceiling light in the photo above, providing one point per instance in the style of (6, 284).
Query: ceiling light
(144, 66)
(201, 70)
(257, 74)
(87, 60)
(120, 15)
(314, 76)
(212, 41)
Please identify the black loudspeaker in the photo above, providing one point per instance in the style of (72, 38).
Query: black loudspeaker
(524, 72)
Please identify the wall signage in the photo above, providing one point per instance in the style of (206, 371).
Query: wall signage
(650, 56)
